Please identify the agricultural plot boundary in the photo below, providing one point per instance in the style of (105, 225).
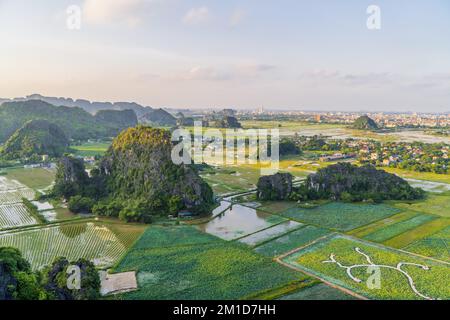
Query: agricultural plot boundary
(290, 260)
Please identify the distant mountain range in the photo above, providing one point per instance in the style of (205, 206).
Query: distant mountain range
(91, 107)
(145, 115)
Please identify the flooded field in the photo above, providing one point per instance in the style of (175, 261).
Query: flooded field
(430, 186)
(239, 221)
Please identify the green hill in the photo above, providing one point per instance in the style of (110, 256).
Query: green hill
(76, 123)
(365, 123)
(159, 117)
(35, 138)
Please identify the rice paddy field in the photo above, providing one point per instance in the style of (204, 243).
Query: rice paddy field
(291, 241)
(398, 228)
(433, 204)
(15, 215)
(341, 216)
(270, 233)
(102, 243)
(34, 178)
(436, 245)
(318, 292)
(214, 269)
(91, 149)
(344, 261)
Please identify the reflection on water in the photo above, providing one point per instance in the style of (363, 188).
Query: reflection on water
(239, 221)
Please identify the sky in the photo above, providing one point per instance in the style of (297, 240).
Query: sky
(283, 54)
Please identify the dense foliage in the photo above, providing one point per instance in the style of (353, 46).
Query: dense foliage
(159, 117)
(123, 119)
(274, 187)
(136, 181)
(347, 182)
(289, 147)
(228, 122)
(76, 123)
(365, 123)
(34, 139)
(19, 282)
(56, 279)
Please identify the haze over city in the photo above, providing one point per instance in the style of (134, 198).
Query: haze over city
(215, 54)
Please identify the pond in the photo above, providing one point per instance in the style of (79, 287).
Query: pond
(239, 221)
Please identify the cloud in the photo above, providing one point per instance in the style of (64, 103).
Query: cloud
(113, 11)
(237, 17)
(197, 16)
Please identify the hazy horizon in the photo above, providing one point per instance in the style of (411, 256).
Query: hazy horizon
(283, 55)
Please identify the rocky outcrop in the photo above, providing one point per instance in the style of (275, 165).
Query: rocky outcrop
(35, 138)
(139, 165)
(344, 181)
(275, 187)
(365, 123)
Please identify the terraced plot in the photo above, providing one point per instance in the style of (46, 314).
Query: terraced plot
(104, 244)
(351, 263)
(270, 233)
(291, 241)
(341, 216)
(15, 215)
(398, 228)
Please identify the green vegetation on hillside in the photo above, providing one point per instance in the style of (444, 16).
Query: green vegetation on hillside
(76, 123)
(365, 123)
(34, 139)
(136, 181)
(350, 183)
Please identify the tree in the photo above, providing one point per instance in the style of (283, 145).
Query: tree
(17, 280)
(56, 279)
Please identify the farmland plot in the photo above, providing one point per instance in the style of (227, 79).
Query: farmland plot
(15, 215)
(341, 216)
(93, 241)
(349, 263)
(436, 245)
(271, 233)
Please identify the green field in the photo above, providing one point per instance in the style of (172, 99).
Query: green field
(434, 204)
(422, 231)
(103, 243)
(291, 241)
(192, 269)
(35, 178)
(380, 224)
(398, 228)
(91, 149)
(318, 292)
(337, 258)
(270, 233)
(341, 216)
(436, 245)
